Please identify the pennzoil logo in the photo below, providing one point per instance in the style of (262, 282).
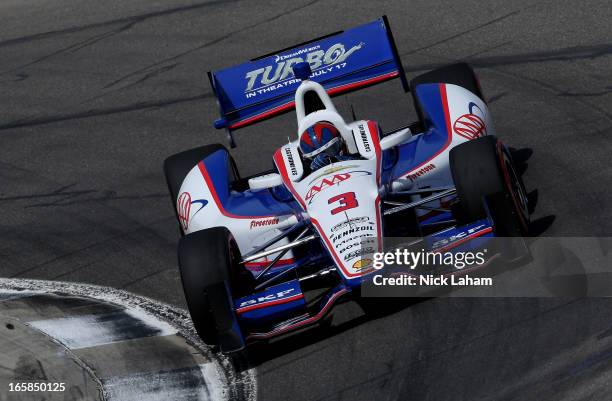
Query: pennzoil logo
(321, 60)
(350, 231)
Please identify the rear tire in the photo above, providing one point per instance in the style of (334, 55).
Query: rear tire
(483, 169)
(208, 262)
(176, 168)
(460, 74)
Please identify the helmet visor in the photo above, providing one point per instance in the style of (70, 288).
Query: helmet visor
(331, 148)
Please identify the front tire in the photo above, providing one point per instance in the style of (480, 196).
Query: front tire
(208, 262)
(482, 171)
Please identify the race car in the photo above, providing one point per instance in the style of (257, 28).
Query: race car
(272, 253)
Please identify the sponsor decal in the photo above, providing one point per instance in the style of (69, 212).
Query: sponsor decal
(264, 222)
(331, 170)
(329, 181)
(422, 171)
(326, 183)
(446, 241)
(358, 252)
(364, 138)
(335, 237)
(290, 161)
(362, 264)
(183, 207)
(280, 74)
(201, 202)
(350, 222)
(470, 126)
(353, 244)
(266, 298)
(475, 109)
(351, 239)
(278, 58)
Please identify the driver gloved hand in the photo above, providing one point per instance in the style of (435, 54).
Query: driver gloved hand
(319, 161)
(323, 160)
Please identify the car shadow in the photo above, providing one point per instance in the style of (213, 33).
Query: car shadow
(541, 225)
(373, 309)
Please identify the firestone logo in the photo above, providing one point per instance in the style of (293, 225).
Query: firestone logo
(424, 170)
(315, 56)
(263, 223)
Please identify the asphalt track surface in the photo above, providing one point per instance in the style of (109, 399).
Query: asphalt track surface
(95, 95)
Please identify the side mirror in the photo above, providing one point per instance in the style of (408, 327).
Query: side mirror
(265, 181)
(395, 139)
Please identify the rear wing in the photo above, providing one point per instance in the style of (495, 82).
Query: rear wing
(344, 61)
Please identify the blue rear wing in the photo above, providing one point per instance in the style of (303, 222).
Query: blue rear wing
(264, 87)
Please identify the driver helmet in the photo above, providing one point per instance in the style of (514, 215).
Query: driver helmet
(320, 140)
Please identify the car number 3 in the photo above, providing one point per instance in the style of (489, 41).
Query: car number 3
(347, 201)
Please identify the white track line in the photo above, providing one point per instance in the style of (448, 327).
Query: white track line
(165, 386)
(95, 330)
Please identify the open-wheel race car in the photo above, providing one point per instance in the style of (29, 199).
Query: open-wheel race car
(253, 247)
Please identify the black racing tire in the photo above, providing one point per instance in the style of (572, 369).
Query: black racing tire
(482, 168)
(460, 74)
(176, 168)
(208, 260)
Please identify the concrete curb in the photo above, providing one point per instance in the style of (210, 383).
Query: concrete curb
(108, 344)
